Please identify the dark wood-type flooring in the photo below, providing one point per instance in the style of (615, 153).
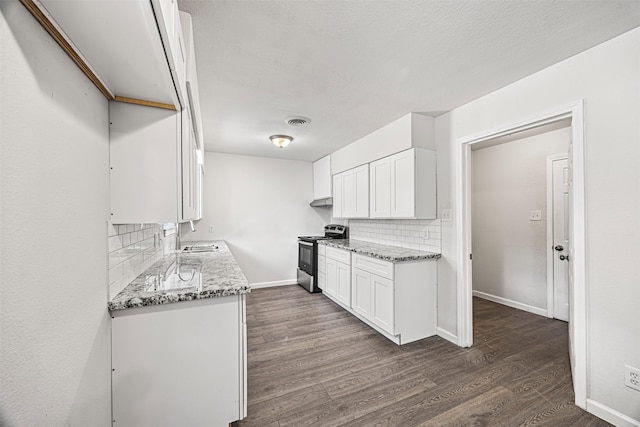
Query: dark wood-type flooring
(311, 363)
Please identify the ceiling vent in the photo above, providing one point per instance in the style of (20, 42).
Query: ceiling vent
(297, 121)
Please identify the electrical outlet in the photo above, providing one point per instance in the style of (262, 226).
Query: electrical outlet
(211, 229)
(447, 214)
(426, 234)
(535, 216)
(632, 377)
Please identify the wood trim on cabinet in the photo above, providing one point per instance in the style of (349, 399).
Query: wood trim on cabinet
(80, 62)
(64, 44)
(145, 103)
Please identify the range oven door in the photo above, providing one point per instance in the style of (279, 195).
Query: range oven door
(306, 257)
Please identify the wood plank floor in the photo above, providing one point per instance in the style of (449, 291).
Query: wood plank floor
(313, 364)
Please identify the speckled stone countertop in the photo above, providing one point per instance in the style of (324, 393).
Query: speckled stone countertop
(220, 273)
(376, 250)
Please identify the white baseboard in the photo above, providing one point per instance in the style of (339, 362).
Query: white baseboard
(510, 303)
(275, 283)
(442, 333)
(610, 415)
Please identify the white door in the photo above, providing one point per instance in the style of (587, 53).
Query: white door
(560, 183)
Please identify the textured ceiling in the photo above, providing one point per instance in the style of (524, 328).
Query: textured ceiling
(353, 66)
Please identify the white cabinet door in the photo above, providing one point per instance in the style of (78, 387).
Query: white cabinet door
(361, 191)
(361, 288)
(189, 168)
(322, 178)
(383, 303)
(168, 20)
(322, 268)
(331, 278)
(380, 194)
(355, 192)
(344, 284)
(348, 194)
(403, 181)
(145, 166)
(337, 196)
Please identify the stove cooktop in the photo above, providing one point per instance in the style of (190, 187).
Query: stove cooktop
(313, 238)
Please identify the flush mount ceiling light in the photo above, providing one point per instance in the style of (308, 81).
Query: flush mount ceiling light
(281, 141)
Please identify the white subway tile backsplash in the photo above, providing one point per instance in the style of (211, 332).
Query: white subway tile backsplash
(132, 249)
(408, 233)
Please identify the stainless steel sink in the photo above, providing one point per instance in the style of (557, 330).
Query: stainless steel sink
(201, 247)
(179, 276)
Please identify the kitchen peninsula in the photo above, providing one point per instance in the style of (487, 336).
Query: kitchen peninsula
(392, 289)
(179, 342)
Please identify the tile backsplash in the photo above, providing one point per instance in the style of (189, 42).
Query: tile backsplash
(132, 249)
(407, 233)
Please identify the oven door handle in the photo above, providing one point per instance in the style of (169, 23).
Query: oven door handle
(305, 243)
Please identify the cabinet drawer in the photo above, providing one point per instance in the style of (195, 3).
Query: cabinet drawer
(322, 261)
(373, 265)
(339, 255)
(322, 250)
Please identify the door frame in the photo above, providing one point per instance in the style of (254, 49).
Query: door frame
(550, 250)
(577, 295)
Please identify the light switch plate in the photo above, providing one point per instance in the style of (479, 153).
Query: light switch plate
(447, 215)
(535, 216)
(211, 229)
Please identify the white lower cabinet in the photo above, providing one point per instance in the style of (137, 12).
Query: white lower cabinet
(180, 364)
(338, 276)
(322, 277)
(383, 303)
(362, 292)
(344, 284)
(397, 299)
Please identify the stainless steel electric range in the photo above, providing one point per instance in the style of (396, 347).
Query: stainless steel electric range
(308, 255)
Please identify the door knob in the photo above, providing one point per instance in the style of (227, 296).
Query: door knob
(559, 248)
(563, 257)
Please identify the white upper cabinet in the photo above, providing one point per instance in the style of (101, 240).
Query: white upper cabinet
(380, 189)
(143, 153)
(193, 94)
(121, 43)
(154, 167)
(355, 193)
(322, 178)
(337, 195)
(168, 19)
(404, 185)
(190, 172)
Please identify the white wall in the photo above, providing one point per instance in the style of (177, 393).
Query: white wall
(259, 206)
(54, 325)
(410, 131)
(607, 77)
(509, 250)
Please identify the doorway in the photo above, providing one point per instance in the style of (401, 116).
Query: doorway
(576, 251)
(513, 219)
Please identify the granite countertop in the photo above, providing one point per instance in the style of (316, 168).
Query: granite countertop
(377, 250)
(217, 273)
